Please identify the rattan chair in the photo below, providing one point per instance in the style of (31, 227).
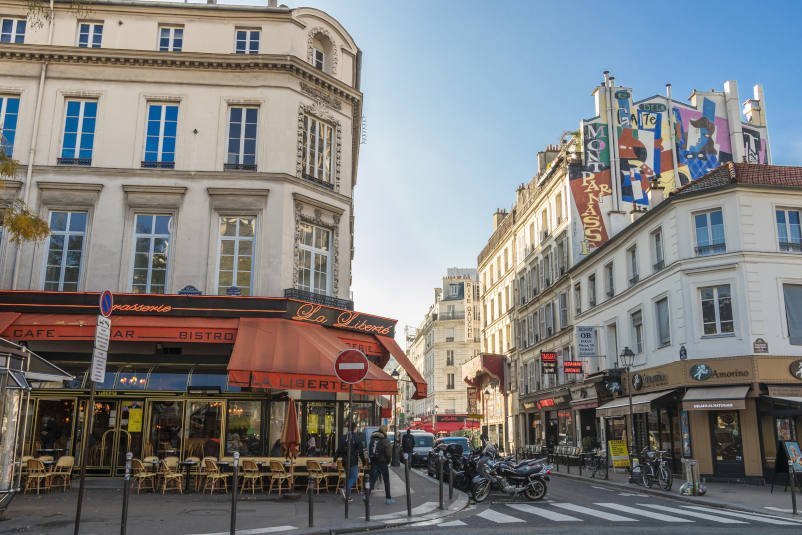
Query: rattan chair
(61, 475)
(251, 476)
(317, 475)
(213, 476)
(341, 479)
(172, 461)
(279, 474)
(38, 476)
(171, 478)
(142, 476)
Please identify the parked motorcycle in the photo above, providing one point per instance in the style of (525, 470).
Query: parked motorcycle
(466, 477)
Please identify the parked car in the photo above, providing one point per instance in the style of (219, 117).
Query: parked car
(440, 445)
(423, 443)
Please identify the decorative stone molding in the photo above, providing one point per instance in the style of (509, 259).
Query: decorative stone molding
(312, 213)
(335, 57)
(319, 205)
(238, 199)
(318, 111)
(159, 197)
(68, 194)
(9, 191)
(321, 97)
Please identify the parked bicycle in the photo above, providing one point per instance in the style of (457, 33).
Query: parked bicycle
(654, 468)
(595, 463)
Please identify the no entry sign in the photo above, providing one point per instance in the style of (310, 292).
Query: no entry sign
(351, 366)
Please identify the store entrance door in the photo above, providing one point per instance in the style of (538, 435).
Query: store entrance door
(725, 433)
(116, 429)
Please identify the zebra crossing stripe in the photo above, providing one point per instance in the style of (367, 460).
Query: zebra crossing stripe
(674, 510)
(545, 513)
(593, 512)
(748, 516)
(453, 524)
(498, 518)
(640, 512)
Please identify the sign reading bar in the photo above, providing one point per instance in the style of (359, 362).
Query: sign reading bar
(586, 341)
(548, 362)
(572, 366)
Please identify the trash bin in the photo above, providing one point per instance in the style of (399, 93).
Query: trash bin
(693, 485)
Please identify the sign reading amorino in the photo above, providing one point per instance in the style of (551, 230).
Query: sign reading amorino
(721, 370)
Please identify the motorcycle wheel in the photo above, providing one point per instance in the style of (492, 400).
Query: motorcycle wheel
(481, 494)
(536, 490)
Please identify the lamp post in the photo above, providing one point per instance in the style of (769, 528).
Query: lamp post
(395, 461)
(627, 360)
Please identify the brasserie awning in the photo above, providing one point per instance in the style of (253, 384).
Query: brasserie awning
(715, 398)
(395, 350)
(290, 355)
(640, 404)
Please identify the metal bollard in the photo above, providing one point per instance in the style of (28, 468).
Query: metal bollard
(310, 488)
(367, 496)
(450, 482)
(126, 492)
(792, 480)
(406, 483)
(234, 487)
(440, 478)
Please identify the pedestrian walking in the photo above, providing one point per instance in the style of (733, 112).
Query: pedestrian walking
(380, 451)
(408, 444)
(357, 454)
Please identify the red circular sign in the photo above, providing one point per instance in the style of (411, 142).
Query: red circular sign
(351, 366)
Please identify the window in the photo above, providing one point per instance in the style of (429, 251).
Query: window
(247, 42)
(592, 290)
(534, 334)
(160, 135)
(717, 310)
(317, 139)
(657, 250)
(242, 138)
(235, 254)
(171, 38)
(788, 230)
(12, 31)
(449, 357)
(453, 290)
(318, 58)
(793, 312)
(90, 34)
(79, 133)
(315, 248)
(562, 299)
(562, 259)
(450, 381)
(637, 331)
(9, 110)
(151, 253)
(65, 251)
(663, 327)
(709, 233)
(608, 280)
(450, 334)
(578, 298)
(549, 313)
(632, 264)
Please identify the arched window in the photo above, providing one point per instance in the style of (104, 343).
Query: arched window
(322, 52)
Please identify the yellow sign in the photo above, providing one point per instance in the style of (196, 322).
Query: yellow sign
(328, 423)
(134, 420)
(311, 424)
(618, 453)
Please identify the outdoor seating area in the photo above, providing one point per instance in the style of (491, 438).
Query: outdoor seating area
(42, 474)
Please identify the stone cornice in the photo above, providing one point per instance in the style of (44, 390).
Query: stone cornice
(251, 192)
(179, 60)
(166, 190)
(318, 203)
(43, 185)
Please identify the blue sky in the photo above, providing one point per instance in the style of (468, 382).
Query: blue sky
(460, 96)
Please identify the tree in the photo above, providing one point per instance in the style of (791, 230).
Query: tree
(21, 224)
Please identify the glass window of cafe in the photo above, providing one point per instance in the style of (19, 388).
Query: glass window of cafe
(53, 426)
(244, 427)
(565, 427)
(319, 436)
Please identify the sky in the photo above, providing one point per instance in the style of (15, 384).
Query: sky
(460, 95)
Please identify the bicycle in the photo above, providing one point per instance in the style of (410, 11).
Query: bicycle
(654, 468)
(596, 463)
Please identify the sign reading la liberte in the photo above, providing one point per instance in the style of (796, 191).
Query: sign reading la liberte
(351, 366)
(102, 337)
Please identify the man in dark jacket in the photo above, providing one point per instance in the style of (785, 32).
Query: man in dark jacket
(408, 444)
(357, 453)
(380, 451)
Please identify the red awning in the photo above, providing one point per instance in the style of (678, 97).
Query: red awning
(396, 351)
(290, 355)
(6, 319)
(485, 365)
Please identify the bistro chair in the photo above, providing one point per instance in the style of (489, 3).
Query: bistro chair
(172, 462)
(171, 478)
(62, 472)
(317, 475)
(38, 476)
(23, 466)
(213, 476)
(279, 474)
(341, 479)
(45, 458)
(142, 476)
(251, 477)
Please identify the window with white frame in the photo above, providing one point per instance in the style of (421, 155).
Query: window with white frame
(90, 34)
(578, 298)
(317, 150)
(450, 334)
(636, 319)
(314, 274)
(241, 154)
(79, 132)
(171, 38)
(526, 377)
(716, 302)
(151, 253)
(709, 227)
(534, 333)
(65, 251)
(792, 293)
(658, 258)
(592, 290)
(522, 289)
(246, 41)
(12, 30)
(663, 322)
(449, 357)
(235, 253)
(450, 381)
(632, 264)
(609, 281)
(160, 135)
(562, 299)
(9, 112)
(549, 309)
(453, 290)
(788, 229)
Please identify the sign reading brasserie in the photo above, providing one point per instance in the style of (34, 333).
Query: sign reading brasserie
(548, 362)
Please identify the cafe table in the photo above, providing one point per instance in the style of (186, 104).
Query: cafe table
(188, 464)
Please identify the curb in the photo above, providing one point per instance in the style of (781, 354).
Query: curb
(689, 499)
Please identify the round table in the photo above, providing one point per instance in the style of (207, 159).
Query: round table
(188, 465)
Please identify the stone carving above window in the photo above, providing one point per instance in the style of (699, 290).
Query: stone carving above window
(320, 112)
(305, 212)
(322, 34)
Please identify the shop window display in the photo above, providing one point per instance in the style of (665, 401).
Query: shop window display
(53, 425)
(204, 423)
(727, 436)
(243, 427)
(166, 418)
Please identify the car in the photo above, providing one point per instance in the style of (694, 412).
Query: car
(440, 445)
(423, 443)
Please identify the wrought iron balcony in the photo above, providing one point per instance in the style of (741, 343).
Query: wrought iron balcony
(321, 299)
(158, 165)
(239, 167)
(75, 161)
(713, 248)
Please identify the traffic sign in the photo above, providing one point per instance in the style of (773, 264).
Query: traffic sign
(98, 370)
(106, 303)
(351, 366)
(102, 333)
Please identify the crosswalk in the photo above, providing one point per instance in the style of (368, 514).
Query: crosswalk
(615, 513)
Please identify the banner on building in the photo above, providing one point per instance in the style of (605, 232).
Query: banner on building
(586, 342)
(548, 362)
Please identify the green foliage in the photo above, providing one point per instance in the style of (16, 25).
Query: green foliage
(18, 220)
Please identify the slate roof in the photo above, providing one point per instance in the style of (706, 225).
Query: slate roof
(752, 174)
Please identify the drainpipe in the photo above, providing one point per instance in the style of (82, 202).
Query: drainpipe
(26, 186)
(671, 134)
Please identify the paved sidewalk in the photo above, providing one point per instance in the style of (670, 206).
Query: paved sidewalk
(754, 498)
(199, 514)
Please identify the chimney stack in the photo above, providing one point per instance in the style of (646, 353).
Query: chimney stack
(498, 217)
(655, 193)
(272, 3)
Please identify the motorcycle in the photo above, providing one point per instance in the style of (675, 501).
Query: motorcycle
(466, 477)
(529, 477)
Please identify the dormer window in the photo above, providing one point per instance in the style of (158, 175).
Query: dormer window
(318, 58)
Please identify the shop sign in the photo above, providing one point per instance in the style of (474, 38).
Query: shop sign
(572, 366)
(586, 341)
(548, 362)
(618, 453)
(796, 369)
(760, 346)
(714, 405)
(649, 380)
(451, 418)
(340, 319)
(529, 405)
(704, 371)
(545, 403)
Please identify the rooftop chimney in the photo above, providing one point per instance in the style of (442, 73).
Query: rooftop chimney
(656, 194)
(272, 3)
(498, 217)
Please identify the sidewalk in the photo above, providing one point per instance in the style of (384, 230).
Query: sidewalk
(202, 514)
(752, 498)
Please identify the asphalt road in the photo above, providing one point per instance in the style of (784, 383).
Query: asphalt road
(587, 507)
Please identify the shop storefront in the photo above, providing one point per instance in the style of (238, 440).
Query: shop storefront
(196, 375)
(583, 406)
(554, 421)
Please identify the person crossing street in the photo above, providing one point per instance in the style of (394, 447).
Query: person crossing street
(380, 451)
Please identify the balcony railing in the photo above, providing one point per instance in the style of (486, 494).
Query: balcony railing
(659, 265)
(239, 167)
(320, 299)
(451, 316)
(634, 280)
(713, 248)
(318, 181)
(158, 165)
(75, 161)
(791, 246)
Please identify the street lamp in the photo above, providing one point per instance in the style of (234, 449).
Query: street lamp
(396, 457)
(627, 360)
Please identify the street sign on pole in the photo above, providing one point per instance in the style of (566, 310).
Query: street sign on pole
(351, 366)
(102, 333)
(98, 372)
(106, 303)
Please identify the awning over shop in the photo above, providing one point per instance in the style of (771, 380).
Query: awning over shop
(640, 404)
(284, 354)
(395, 350)
(36, 368)
(715, 398)
(486, 364)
